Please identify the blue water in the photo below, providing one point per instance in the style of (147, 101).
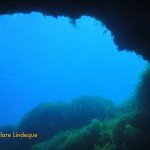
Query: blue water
(50, 59)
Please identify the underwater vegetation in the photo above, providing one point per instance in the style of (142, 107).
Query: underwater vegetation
(87, 123)
(143, 87)
(47, 119)
(92, 136)
(55, 117)
(114, 134)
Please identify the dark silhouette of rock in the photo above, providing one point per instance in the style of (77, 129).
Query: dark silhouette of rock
(128, 20)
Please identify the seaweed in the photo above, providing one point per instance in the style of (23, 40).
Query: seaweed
(143, 90)
(48, 119)
(89, 137)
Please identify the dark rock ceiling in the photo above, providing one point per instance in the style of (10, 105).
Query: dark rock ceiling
(128, 20)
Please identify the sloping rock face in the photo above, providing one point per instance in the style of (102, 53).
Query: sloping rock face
(128, 20)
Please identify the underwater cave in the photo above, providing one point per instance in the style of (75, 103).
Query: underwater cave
(90, 119)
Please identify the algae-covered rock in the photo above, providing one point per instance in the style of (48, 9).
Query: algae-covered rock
(88, 137)
(107, 146)
(143, 89)
(48, 119)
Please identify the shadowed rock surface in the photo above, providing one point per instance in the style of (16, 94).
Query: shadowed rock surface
(128, 20)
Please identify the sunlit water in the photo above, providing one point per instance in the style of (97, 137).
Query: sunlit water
(51, 59)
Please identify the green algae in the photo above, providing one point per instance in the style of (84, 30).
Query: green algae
(96, 133)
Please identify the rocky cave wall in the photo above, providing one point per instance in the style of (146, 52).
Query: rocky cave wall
(128, 20)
